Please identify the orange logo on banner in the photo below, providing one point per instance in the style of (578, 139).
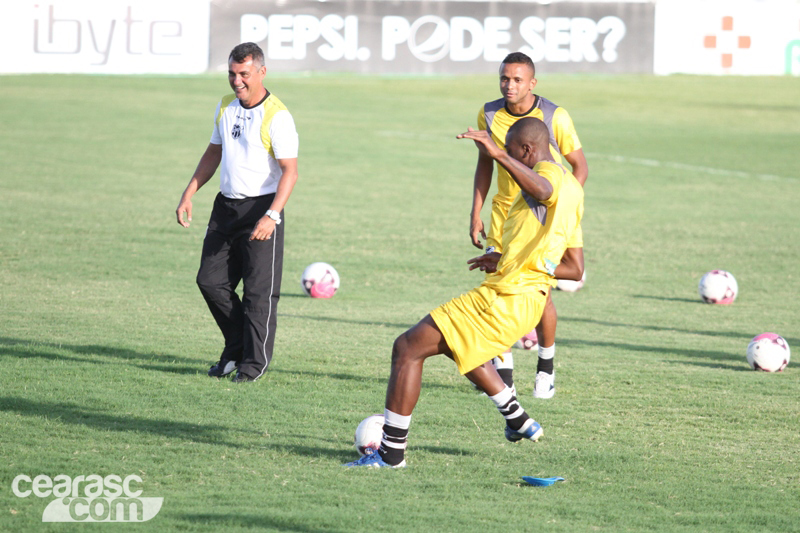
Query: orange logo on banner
(743, 41)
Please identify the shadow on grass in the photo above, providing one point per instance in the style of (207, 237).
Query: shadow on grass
(346, 320)
(443, 450)
(647, 327)
(260, 521)
(346, 454)
(665, 299)
(78, 415)
(359, 377)
(740, 367)
(44, 350)
(663, 350)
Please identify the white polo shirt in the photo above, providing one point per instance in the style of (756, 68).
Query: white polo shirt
(252, 141)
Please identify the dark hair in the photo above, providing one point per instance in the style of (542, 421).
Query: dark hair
(530, 130)
(519, 57)
(240, 53)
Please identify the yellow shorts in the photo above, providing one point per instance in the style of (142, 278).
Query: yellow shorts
(498, 218)
(481, 324)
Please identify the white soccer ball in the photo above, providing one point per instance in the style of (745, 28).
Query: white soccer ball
(320, 280)
(368, 434)
(718, 287)
(569, 285)
(768, 352)
(529, 341)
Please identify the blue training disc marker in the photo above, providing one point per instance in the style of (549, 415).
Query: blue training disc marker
(541, 481)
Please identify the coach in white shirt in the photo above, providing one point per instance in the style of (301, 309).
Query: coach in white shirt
(254, 141)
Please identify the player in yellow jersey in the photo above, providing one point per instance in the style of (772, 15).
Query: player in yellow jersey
(517, 82)
(474, 327)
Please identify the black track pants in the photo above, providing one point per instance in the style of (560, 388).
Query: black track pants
(247, 323)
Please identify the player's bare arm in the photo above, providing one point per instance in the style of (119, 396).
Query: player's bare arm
(528, 180)
(266, 225)
(580, 168)
(205, 171)
(571, 266)
(482, 183)
(483, 141)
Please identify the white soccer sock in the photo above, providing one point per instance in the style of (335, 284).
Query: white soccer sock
(547, 353)
(398, 421)
(502, 398)
(507, 361)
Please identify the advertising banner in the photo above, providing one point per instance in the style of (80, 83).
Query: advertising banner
(104, 37)
(435, 37)
(743, 37)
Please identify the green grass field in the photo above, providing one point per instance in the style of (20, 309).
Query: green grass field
(657, 425)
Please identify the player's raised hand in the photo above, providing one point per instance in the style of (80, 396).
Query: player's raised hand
(483, 141)
(486, 262)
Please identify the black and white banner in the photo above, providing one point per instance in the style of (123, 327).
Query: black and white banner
(435, 37)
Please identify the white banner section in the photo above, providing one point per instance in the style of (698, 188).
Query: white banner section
(741, 37)
(104, 36)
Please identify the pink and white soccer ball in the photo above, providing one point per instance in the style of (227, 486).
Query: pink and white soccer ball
(718, 287)
(569, 285)
(320, 280)
(529, 341)
(368, 434)
(768, 352)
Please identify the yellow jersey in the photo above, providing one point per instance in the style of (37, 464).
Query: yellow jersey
(535, 234)
(495, 118)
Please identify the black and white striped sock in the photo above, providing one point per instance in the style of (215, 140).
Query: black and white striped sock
(510, 408)
(505, 367)
(395, 437)
(545, 363)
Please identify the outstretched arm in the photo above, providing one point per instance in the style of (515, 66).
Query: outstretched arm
(205, 171)
(528, 180)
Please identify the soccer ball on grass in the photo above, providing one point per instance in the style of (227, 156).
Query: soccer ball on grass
(529, 341)
(768, 352)
(718, 287)
(320, 280)
(368, 435)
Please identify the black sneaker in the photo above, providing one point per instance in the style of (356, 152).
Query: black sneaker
(242, 378)
(222, 368)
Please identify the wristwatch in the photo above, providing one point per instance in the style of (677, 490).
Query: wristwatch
(274, 215)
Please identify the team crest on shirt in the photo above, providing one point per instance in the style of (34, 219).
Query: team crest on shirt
(236, 131)
(550, 267)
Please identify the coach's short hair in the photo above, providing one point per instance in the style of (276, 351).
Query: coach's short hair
(240, 53)
(520, 58)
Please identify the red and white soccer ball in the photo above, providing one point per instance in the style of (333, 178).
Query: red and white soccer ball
(320, 280)
(529, 341)
(768, 352)
(718, 287)
(569, 285)
(368, 435)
